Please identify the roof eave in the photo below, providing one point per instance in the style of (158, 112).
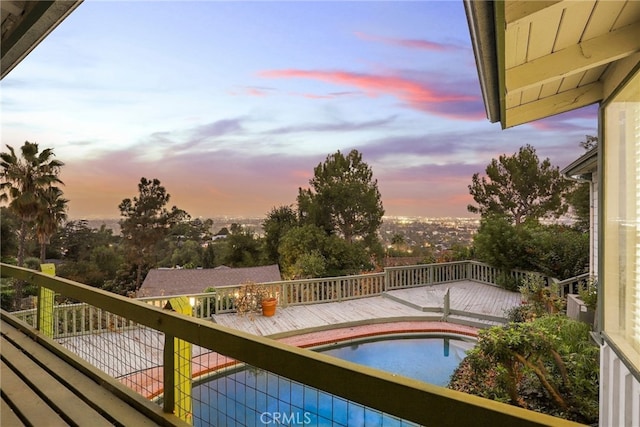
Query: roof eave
(584, 165)
(35, 25)
(481, 21)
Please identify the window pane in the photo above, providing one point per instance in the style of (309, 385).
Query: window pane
(622, 214)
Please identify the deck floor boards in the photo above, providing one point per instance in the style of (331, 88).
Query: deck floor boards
(475, 299)
(141, 348)
(43, 385)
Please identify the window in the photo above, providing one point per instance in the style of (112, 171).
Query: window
(621, 278)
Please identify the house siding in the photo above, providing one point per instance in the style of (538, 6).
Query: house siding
(619, 391)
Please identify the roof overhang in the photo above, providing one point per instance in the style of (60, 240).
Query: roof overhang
(539, 58)
(583, 167)
(25, 24)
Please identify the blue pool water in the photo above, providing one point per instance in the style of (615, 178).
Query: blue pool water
(251, 397)
(431, 360)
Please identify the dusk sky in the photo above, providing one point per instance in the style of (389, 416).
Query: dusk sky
(232, 104)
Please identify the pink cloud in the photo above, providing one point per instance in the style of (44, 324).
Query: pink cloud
(415, 94)
(256, 92)
(408, 43)
(314, 96)
(251, 91)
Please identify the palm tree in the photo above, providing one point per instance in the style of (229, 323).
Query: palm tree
(24, 179)
(53, 211)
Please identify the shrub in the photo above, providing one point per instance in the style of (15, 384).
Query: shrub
(547, 365)
(588, 293)
(250, 298)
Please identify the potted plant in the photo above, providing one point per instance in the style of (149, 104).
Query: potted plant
(588, 293)
(254, 297)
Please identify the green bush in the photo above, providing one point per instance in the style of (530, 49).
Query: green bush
(547, 365)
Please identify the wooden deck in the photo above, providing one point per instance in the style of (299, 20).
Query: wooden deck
(471, 303)
(45, 386)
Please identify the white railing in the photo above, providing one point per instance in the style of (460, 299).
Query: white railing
(571, 285)
(78, 319)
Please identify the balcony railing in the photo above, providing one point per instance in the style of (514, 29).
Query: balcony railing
(161, 354)
(74, 319)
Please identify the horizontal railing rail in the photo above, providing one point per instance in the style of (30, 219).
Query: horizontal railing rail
(407, 399)
(571, 285)
(74, 319)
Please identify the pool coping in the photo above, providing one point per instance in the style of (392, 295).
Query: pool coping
(148, 382)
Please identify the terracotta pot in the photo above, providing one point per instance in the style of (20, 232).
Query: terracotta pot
(269, 306)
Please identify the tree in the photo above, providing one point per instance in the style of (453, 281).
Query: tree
(187, 255)
(90, 255)
(307, 251)
(76, 240)
(146, 222)
(195, 234)
(343, 198)
(278, 222)
(589, 142)
(520, 187)
(53, 211)
(555, 250)
(579, 196)
(242, 247)
(8, 227)
(24, 179)
(502, 245)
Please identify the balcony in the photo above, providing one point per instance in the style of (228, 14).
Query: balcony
(159, 354)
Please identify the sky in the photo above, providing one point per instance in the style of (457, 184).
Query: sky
(232, 104)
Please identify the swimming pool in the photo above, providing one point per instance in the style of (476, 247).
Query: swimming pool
(429, 359)
(252, 397)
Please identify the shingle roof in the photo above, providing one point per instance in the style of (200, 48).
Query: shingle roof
(161, 282)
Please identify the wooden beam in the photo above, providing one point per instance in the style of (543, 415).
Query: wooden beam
(518, 10)
(12, 8)
(575, 59)
(560, 103)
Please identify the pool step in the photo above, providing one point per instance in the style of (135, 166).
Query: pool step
(434, 302)
(419, 307)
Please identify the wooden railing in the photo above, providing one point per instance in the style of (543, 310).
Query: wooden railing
(571, 285)
(412, 400)
(74, 319)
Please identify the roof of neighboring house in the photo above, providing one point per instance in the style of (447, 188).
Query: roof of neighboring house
(583, 166)
(172, 281)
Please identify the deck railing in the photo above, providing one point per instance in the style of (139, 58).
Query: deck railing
(159, 352)
(73, 319)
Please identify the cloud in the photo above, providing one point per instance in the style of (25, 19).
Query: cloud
(238, 179)
(257, 91)
(218, 128)
(422, 96)
(409, 43)
(341, 126)
(571, 121)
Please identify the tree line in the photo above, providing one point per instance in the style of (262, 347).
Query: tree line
(330, 230)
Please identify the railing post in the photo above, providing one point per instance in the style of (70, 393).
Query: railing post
(447, 305)
(168, 380)
(284, 295)
(46, 298)
(177, 368)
